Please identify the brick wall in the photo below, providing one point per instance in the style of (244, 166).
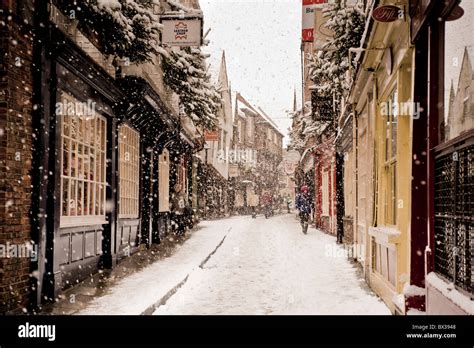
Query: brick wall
(15, 161)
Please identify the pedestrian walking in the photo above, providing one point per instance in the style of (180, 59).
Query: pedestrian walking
(267, 200)
(304, 205)
(178, 205)
(253, 204)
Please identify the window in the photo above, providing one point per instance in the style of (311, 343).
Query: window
(269, 134)
(239, 131)
(129, 171)
(164, 181)
(390, 124)
(83, 141)
(325, 194)
(348, 184)
(250, 128)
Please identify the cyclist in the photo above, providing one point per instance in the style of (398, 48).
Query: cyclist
(304, 205)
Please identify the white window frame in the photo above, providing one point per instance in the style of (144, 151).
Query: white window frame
(390, 159)
(164, 182)
(129, 172)
(91, 134)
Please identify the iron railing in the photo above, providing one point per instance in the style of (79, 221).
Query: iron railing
(454, 210)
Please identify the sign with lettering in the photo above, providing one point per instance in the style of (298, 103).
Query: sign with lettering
(308, 18)
(211, 136)
(182, 32)
(387, 13)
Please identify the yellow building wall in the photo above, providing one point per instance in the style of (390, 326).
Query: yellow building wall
(394, 237)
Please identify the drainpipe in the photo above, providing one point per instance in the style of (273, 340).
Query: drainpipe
(40, 160)
(355, 229)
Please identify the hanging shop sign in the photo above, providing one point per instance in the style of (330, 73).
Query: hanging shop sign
(211, 136)
(290, 162)
(308, 18)
(181, 31)
(456, 13)
(233, 171)
(387, 13)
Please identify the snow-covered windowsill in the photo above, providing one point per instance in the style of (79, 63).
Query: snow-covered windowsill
(385, 234)
(448, 290)
(78, 221)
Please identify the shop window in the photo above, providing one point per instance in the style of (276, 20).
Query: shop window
(83, 162)
(129, 172)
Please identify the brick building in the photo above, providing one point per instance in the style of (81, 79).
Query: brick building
(85, 148)
(16, 143)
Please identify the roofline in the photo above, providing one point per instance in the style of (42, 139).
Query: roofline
(258, 110)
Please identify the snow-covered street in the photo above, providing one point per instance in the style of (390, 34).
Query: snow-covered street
(242, 265)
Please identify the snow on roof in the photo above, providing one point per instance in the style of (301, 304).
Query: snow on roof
(258, 111)
(194, 9)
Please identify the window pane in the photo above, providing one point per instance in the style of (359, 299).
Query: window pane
(92, 164)
(129, 157)
(65, 190)
(80, 127)
(66, 150)
(72, 199)
(73, 127)
(86, 163)
(86, 197)
(80, 187)
(73, 159)
(394, 193)
(393, 126)
(92, 210)
(80, 162)
(97, 200)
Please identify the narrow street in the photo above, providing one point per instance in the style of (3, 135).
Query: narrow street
(242, 265)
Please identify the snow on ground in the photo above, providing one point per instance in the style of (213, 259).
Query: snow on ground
(134, 294)
(262, 267)
(271, 267)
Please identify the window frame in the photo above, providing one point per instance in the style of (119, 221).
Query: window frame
(128, 173)
(82, 140)
(390, 157)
